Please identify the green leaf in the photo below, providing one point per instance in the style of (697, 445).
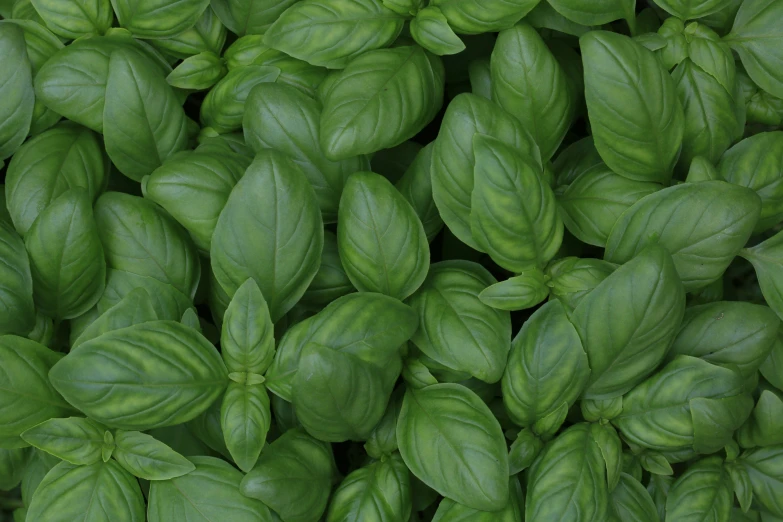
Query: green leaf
(153, 374)
(757, 163)
(594, 201)
(519, 292)
(293, 477)
(631, 502)
(710, 118)
(274, 204)
(196, 176)
(140, 238)
(691, 9)
(66, 257)
(253, 17)
(14, 465)
(642, 142)
(480, 72)
(331, 33)
(431, 30)
(380, 325)
(568, 480)
(158, 18)
(338, 396)
(416, 187)
(657, 414)
(454, 161)
(529, 83)
(224, 105)
(701, 170)
(594, 12)
(331, 281)
(574, 160)
(765, 468)
(381, 99)
(281, 117)
(245, 418)
(73, 440)
(208, 35)
(206, 494)
(466, 459)
(27, 398)
(167, 302)
(655, 463)
(75, 18)
(17, 311)
(62, 158)
(382, 243)
(544, 16)
(721, 217)
(455, 328)
(772, 367)
(547, 366)
(737, 335)
(483, 16)
(147, 458)
(198, 72)
(513, 212)
(629, 321)
(704, 491)
(380, 491)
(247, 339)
(765, 258)
(765, 425)
(383, 438)
(143, 122)
(16, 90)
(758, 40)
(95, 493)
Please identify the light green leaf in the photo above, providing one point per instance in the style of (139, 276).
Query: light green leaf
(198, 72)
(466, 459)
(455, 328)
(635, 115)
(483, 16)
(140, 238)
(247, 340)
(224, 105)
(143, 122)
(382, 98)
(245, 418)
(95, 493)
(628, 322)
(721, 218)
(207, 494)
(331, 33)
(74, 18)
(529, 83)
(431, 30)
(382, 243)
(519, 292)
(147, 458)
(208, 35)
(274, 204)
(66, 257)
(547, 366)
(73, 440)
(148, 375)
(293, 477)
(513, 214)
(158, 18)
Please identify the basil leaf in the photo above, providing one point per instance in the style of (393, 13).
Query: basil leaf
(281, 117)
(210, 492)
(382, 98)
(199, 72)
(157, 18)
(100, 491)
(595, 12)
(722, 217)
(293, 477)
(630, 501)
(224, 104)
(704, 491)
(467, 459)
(17, 311)
(644, 141)
(455, 328)
(474, 16)
(143, 123)
(113, 380)
(517, 293)
(245, 418)
(764, 468)
(529, 83)
(73, 440)
(649, 297)
(331, 281)
(331, 33)
(547, 366)
(208, 35)
(382, 243)
(448, 510)
(416, 187)
(431, 30)
(274, 203)
(16, 90)
(77, 17)
(66, 257)
(143, 456)
(513, 212)
(765, 425)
